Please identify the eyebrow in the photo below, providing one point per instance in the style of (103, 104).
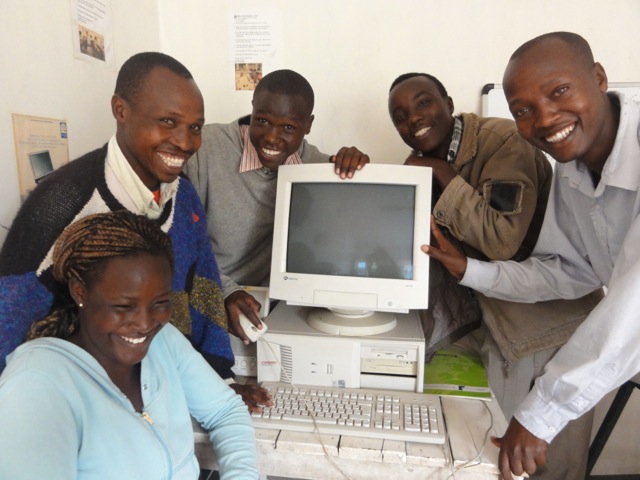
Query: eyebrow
(181, 116)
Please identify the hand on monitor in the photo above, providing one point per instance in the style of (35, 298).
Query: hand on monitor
(348, 160)
(444, 251)
(242, 303)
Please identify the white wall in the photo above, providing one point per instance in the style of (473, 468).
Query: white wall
(39, 76)
(352, 50)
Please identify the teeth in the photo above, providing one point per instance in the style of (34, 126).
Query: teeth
(171, 161)
(271, 153)
(135, 341)
(561, 135)
(422, 131)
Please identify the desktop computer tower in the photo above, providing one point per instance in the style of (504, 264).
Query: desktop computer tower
(292, 351)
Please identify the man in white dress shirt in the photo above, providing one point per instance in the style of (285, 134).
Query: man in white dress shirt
(590, 236)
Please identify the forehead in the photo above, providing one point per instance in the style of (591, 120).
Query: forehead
(163, 89)
(411, 88)
(281, 105)
(138, 268)
(542, 64)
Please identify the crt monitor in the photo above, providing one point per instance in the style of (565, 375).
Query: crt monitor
(352, 247)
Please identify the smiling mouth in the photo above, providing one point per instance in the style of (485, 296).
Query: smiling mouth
(134, 341)
(172, 161)
(561, 135)
(270, 153)
(423, 131)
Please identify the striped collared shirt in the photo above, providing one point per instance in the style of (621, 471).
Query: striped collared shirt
(250, 160)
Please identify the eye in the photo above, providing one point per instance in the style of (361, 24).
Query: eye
(521, 112)
(196, 128)
(169, 122)
(163, 305)
(261, 121)
(560, 91)
(122, 308)
(289, 128)
(398, 119)
(424, 102)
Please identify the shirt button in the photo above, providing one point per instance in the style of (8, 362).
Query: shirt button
(440, 214)
(551, 429)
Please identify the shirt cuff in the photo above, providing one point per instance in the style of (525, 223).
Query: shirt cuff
(230, 380)
(540, 418)
(479, 275)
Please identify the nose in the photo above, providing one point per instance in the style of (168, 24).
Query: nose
(546, 114)
(145, 320)
(186, 139)
(415, 116)
(272, 136)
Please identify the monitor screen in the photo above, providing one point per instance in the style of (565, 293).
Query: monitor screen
(331, 231)
(353, 245)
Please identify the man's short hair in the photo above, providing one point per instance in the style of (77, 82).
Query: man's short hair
(135, 70)
(407, 76)
(577, 44)
(287, 82)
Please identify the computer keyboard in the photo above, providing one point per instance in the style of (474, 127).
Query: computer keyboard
(385, 414)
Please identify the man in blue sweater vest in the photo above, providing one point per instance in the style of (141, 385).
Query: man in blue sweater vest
(159, 112)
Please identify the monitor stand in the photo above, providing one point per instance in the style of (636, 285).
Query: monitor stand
(351, 323)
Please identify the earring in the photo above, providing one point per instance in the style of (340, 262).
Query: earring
(80, 305)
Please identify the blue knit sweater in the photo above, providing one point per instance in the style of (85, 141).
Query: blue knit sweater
(28, 290)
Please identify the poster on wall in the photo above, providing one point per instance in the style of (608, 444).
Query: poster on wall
(255, 45)
(41, 147)
(91, 31)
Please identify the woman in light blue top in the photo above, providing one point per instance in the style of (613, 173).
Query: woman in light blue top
(106, 386)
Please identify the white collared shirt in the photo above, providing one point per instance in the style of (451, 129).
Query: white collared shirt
(128, 188)
(590, 237)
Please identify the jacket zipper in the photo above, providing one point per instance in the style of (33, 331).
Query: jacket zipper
(147, 417)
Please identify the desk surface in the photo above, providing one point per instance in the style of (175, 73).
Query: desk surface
(300, 455)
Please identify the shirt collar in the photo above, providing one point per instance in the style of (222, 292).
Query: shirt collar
(250, 160)
(138, 194)
(622, 167)
(455, 140)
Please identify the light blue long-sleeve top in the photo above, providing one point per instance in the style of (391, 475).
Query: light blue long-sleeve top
(61, 417)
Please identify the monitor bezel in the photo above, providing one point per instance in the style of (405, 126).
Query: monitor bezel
(344, 292)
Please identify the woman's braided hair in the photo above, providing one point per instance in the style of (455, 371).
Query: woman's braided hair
(85, 246)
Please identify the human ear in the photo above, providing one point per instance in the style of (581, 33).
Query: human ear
(450, 104)
(118, 108)
(309, 123)
(77, 289)
(601, 77)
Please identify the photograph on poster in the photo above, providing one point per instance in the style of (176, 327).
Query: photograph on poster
(91, 43)
(248, 75)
